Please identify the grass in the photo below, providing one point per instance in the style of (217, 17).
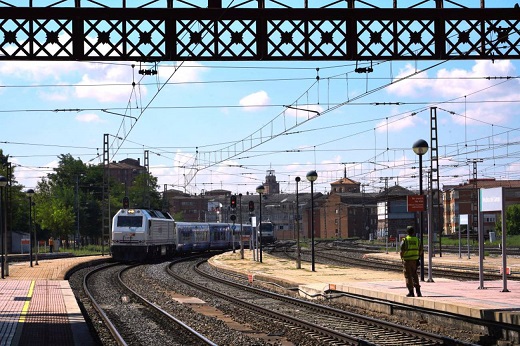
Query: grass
(511, 241)
(85, 250)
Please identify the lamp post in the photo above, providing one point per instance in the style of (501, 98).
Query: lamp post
(420, 148)
(298, 255)
(3, 183)
(241, 226)
(30, 194)
(312, 176)
(76, 193)
(260, 189)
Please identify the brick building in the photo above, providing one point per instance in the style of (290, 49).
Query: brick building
(347, 215)
(125, 171)
(462, 200)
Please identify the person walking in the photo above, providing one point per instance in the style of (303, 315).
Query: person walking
(51, 244)
(411, 250)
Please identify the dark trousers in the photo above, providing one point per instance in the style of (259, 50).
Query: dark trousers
(410, 274)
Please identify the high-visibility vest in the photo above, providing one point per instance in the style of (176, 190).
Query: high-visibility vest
(411, 248)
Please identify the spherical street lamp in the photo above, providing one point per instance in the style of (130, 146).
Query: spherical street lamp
(312, 176)
(30, 194)
(3, 183)
(420, 148)
(260, 190)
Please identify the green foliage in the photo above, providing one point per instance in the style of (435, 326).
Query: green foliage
(512, 221)
(71, 197)
(178, 216)
(18, 204)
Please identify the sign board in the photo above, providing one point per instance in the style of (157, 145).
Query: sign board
(491, 199)
(416, 203)
(463, 219)
(381, 210)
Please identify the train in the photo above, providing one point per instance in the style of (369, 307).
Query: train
(140, 234)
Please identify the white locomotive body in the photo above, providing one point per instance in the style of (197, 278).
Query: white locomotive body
(141, 233)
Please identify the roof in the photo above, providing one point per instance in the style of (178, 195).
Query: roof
(484, 184)
(361, 198)
(395, 191)
(345, 181)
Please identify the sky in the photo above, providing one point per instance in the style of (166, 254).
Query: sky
(232, 122)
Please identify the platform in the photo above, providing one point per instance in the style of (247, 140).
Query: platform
(38, 307)
(460, 297)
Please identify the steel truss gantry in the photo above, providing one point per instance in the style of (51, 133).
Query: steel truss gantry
(247, 30)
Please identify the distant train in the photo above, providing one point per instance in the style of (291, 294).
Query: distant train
(267, 232)
(138, 234)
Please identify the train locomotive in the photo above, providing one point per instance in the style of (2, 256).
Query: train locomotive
(142, 233)
(266, 232)
(139, 234)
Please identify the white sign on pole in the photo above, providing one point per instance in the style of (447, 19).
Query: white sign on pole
(463, 220)
(491, 199)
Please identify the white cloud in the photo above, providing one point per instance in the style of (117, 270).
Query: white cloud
(478, 83)
(255, 101)
(411, 87)
(30, 176)
(37, 71)
(185, 73)
(107, 83)
(88, 118)
(395, 125)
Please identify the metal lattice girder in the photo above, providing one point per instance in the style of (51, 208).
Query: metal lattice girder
(171, 34)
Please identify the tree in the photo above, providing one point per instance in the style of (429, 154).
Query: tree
(70, 199)
(60, 199)
(139, 193)
(17, 203)
(512, 220)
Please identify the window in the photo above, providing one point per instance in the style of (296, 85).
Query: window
(129, 221)
(490, 218)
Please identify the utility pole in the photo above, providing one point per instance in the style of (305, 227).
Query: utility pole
(475, 221)
(385, 179)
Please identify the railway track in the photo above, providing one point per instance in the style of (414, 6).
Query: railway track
(352, 256)
(322, 323)
(132, 319)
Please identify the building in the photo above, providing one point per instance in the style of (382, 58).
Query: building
(462, 199)
(344, 185)
(125, 171)
(392, 212)
(271, 186)
(348, 215)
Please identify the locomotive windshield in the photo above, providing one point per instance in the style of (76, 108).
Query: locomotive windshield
(129, 221)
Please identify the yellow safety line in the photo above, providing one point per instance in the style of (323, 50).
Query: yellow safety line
(27, 303)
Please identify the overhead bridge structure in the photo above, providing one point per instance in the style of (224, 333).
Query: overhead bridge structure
(257, 30)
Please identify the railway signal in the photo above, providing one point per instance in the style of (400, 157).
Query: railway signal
(251, 206)
(233, 201)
